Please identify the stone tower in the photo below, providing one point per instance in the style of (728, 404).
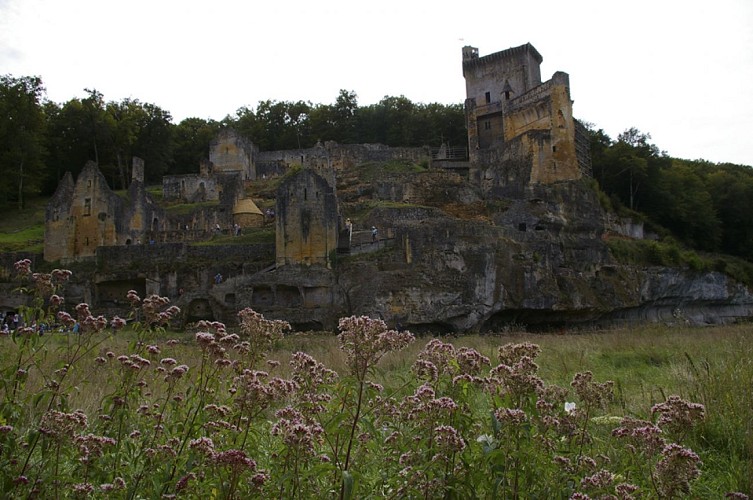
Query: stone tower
(230, 152)
(307, 221)
(521, 130)
(137, 170)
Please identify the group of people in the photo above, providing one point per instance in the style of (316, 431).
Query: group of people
(236, 229)
(10, 321)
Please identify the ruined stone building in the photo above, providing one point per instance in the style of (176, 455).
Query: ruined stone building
(307, 220)
(87, 214)
(231, 157)
(231, 152)
(521, 131)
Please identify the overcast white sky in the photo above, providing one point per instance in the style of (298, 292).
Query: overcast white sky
(681, 70)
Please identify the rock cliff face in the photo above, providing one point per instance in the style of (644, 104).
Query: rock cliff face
(448, 259)
(541, 262)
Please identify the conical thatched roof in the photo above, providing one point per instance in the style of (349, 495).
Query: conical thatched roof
(246, 206)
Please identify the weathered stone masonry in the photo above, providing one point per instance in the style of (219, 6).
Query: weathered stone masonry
(520, 131)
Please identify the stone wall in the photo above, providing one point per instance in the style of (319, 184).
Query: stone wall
(230, 152)
(56, 230)
(330, 157)
(515, 70)
(307, 220)
(82, 216)
(190, 188)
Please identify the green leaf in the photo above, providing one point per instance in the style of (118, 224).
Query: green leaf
(347, 485)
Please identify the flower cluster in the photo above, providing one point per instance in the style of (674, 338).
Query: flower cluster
(45, 283)
(516, 374)
(234, 460)
(255, 393)
(60, 426)
(210, 344)
(676, 468)
(439, 358)
(423, 406)
(92, 446)
(66, 319)
(261, 333)
(117, 323)
(312, 379)
(365, 341)
(295, 431)
(593, 394)
(509, 354)
(23, 267)
(677, 416)
(448, 439)
(642, 436)
(156, 310)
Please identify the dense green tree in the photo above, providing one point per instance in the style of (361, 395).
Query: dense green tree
(95, 109)
(275, 125)
(69, 139)
(297, 119)
(440, 124)
(321, 123)
(154, 141)
(246, 123)
(600, 144)
(335, 122)
(397, 121)
(111, 134)
(22, 123)
(123, 125)
(391, 121)
(683, 205)
(731, 190)
(273, 116)
(344, 117)
(191, 138)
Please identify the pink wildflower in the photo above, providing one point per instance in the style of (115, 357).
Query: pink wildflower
(365, 341)
(676, 468)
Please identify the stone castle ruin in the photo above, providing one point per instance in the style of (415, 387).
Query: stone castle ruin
(520, 131)
(231, 158)
(85, 215)
(307, 220)
(502, 233)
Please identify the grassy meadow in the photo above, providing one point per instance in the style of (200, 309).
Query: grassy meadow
(116, 381)
(101, 407)
(23, 230)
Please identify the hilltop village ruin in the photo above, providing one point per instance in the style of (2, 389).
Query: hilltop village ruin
(508, 231)
(515, 122)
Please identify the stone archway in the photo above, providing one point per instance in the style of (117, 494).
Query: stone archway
(198, 309)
